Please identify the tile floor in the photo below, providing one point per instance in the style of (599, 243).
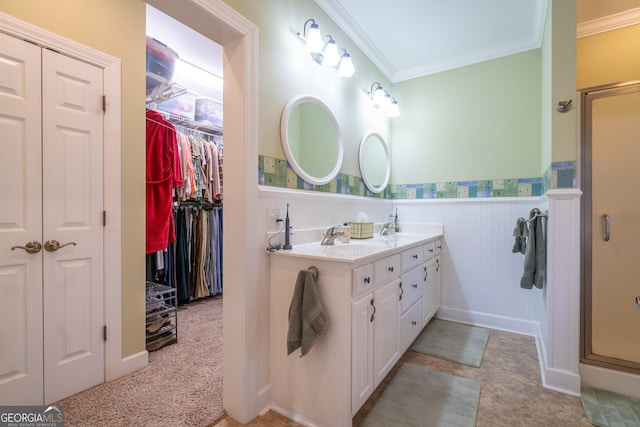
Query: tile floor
(511, 395)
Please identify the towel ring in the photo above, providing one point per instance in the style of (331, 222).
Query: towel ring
(315, 271)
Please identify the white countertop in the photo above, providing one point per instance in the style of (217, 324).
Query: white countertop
(358, 250)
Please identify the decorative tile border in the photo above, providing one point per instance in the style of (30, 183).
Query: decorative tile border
(278, 173)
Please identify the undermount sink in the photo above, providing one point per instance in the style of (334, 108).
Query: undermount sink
(356, 249)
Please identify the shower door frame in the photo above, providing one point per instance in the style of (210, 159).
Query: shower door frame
(586, 351)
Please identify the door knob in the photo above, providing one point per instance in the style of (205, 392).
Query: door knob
(54, 245)
(31, 247)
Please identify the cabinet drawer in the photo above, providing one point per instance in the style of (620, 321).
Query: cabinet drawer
(429, 250)
(412, 286)
(412, 257)
(438, 247)
(362, 279)
(410, 325)
(387, 268)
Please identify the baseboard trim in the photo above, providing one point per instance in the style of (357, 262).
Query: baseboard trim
(552, 379)
(502, 323)
(133, 363)
(611, 380)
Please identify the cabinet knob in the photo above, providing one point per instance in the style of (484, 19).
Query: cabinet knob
(391, 269)
(367, 280)
(415, 285)
(415, 256)
(414, 323)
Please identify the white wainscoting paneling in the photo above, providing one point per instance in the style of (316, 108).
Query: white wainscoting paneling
(481, 275)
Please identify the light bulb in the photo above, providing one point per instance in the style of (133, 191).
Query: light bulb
(331, 55)
(394, 110)
(346, 68)
(314, 39)
(378, 97)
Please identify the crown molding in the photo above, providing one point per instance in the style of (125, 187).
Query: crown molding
(340, 16)
(609, 23)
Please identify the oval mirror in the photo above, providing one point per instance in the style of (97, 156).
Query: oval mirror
(311, 139)
(375, 164)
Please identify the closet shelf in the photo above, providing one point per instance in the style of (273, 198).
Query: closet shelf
(164, 91)
(191, 124)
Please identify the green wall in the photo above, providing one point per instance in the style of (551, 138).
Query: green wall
(286, 71)
(473, 123)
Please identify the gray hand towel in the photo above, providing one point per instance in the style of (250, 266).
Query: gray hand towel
(520, 233)
(530, 255)
(307, 317)
(535, 257)
(541, 253)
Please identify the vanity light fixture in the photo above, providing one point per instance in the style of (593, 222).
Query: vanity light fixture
(312, 36)
(345, 69)
(325, 53)
(376, 94)
(394, 110)
(382, 100)
(330, 56)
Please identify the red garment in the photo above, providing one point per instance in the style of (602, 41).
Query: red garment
(163, 175)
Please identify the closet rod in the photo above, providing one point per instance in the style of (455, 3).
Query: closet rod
(191, 124)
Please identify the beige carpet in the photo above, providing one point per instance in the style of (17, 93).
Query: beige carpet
(181, 386)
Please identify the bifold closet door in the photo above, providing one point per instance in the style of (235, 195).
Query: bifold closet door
(51, 231)
(21, 348)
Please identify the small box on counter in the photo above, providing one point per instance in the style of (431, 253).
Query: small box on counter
(361, 230)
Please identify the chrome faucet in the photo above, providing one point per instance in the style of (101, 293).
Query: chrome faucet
(384, 231)
(331, 235)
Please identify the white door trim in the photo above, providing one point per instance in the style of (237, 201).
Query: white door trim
(115, 366)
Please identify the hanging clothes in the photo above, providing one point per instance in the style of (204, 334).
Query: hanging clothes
(191, 258)
(163, 175)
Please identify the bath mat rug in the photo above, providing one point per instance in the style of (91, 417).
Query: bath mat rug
(419, 396)
(453, 341)
(608, 409)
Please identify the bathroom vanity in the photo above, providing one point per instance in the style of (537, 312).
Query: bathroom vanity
(378, 294)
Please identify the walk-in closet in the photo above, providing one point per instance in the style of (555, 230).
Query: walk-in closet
(184, 170)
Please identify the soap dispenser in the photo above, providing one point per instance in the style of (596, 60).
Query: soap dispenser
(346, 230)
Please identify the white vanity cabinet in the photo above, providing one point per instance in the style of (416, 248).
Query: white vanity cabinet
(411, 321)
(433, 274)
(369, 299)
(375, 326)
(375, 343)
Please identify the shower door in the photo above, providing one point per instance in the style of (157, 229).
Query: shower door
(611, 227)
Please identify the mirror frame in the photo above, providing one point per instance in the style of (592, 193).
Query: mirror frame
(370, 186)
(284, 139)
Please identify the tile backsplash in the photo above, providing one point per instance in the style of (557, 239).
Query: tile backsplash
(277, 173)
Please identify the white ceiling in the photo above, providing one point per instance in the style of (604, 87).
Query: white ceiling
(412, 38)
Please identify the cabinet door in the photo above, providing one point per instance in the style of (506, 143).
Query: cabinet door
(361, 350)
(430, 299)
(386, 329)
(437, 283)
